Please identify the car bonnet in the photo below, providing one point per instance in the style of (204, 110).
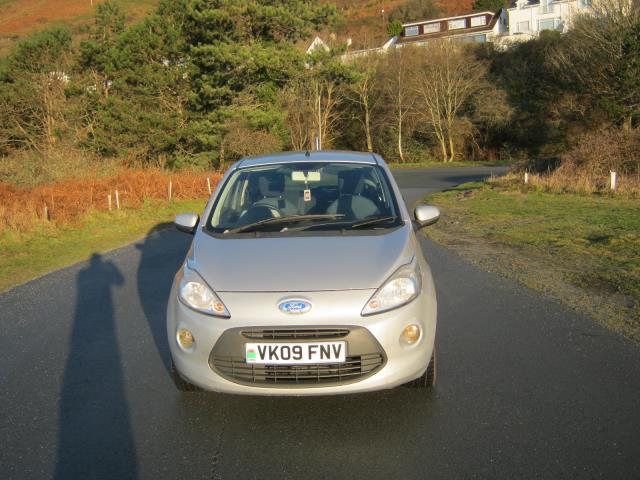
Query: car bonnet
(301, 263)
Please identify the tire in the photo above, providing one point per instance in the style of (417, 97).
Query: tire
(428, 378)
(180, 383)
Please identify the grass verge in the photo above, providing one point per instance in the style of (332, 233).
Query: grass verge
(583, 250)
(24, 256)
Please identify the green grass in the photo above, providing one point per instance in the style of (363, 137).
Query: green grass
(435, 164)
(592, 241)
(24, 256)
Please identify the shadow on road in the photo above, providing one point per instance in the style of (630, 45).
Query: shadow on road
(95, 437)
(162, 252)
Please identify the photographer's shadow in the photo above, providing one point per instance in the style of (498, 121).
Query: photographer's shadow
(95, 436)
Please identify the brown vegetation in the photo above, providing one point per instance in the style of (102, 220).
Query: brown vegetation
(21, 17)
(586, 167)
(67, 201)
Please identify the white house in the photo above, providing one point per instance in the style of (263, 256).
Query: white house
(472, 27)
(527, 18)
(351, 55)
(316, 44)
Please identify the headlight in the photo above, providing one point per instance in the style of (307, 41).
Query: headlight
(401, 288)
(196, 294)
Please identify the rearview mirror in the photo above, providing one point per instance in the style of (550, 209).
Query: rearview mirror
(187, 222)
(299, 176)
(426, 215)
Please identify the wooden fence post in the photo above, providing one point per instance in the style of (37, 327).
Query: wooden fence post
(117, 200)
(526, 178)
(209, 185)
(614, 181)
(170, 188)
(109, 201)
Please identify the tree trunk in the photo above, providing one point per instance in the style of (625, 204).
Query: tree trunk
(367, 129)
(400, 152)
(221, 159)
(443, 146)
(452, 150)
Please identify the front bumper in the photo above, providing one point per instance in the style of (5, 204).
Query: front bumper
(401, 363)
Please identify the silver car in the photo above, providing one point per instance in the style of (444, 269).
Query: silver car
(305, 277)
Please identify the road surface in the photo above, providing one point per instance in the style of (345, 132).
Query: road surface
(526, 388)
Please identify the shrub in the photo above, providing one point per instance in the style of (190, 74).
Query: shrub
(599, 152)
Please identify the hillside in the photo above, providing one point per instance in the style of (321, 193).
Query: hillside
(20, 17)
(364, 21)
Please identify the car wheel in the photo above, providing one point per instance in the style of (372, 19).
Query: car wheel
(428, 378)
(181, 383)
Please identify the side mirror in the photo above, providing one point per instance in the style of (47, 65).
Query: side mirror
(187, 222)
(426, 215)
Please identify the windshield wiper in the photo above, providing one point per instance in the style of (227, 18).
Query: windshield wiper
(282, 220)
(373, 221)
(358, 224)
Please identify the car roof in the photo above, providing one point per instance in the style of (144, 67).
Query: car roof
(311, 156)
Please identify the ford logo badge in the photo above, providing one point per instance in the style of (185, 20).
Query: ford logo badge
(294, 307)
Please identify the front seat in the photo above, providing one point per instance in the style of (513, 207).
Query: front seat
(350, 203)
(271, 190)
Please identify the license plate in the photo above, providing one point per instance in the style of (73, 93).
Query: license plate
(295, 353)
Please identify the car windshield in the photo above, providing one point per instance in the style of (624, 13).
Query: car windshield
(305, 196)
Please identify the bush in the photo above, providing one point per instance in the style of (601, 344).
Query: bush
(599, 152)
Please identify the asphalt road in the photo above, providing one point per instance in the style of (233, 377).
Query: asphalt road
(526, 388)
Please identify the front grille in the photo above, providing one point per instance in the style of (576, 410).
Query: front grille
(365, 357)
(354, 368)
(296, 334)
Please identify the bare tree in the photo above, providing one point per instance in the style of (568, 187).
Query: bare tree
(297, 103)
(366, 93)
(328, 96)
(36, 104)
(400, 95)
(449, 77)
(598, 55)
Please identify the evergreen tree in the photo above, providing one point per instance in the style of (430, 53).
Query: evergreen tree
(240, 50)
(490, 5)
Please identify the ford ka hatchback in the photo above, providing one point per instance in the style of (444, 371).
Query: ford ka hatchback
(305, 277)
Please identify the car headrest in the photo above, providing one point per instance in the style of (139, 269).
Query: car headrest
(351, 182)
(271, 184)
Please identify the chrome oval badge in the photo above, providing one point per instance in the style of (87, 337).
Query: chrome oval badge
(294, 307)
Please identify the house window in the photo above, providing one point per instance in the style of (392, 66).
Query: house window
(431, 27)
(411, 31)
(457, 24)
(546, 6)
(584, 3)
(474, 38)
(523, 27)
(478, 21)
(550, 24)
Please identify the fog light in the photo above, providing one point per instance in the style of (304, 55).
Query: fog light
(185, 339)
(410, 334)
